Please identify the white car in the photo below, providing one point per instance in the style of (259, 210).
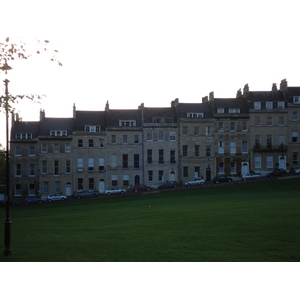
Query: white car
(196, 181)
(55, 197)
(297, 171)
(249, 176)
(114, 191)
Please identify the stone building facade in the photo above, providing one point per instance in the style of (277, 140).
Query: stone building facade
(256, 131)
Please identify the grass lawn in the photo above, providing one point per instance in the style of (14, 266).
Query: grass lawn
(246, 222)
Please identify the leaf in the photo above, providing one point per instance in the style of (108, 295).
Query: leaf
(7, 39)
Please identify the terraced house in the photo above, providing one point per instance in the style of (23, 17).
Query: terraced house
(94, 150)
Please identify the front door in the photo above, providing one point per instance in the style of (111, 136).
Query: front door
(172, 176)
(282, 162)
(208, 174)
(101, 186)
(136, 180)
(68, 189)
(245, 168)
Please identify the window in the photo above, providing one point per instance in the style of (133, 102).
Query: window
(18, 192)
(161, 175)
(197, 172)
(55, 148)
(125, 161)
(136, 161)
(196, 130)
(31, 151)
(269, 121)
(221, 168)
(194, 115)
(31, 189)
(281, 139)
(185, 150)
(57, 188)
(197, 150)
(221, 126)
(234, 110)
(91, 164)
(80, 184)
(184, 130)
(296, 99)
(68, 147)
(45, 187)
(220, 110)
(113, 161)
(149, 156)
(31, 169)
(281, 121)
(18, 151)
(281, 105)
(101, 163)
(91, 143)
(80, 164)
(44, 167)
(221, 147)
(295, 158)
(149, 136)
(114, 180)
(295, 116)
(257, 121)
(295, 137)
(127, 123)
(232, 168)
(68, 166)
(161, 136)
(269, 142)
(91, 184)
(245, 126)
(58, 132)
(113, 139)
(208, 130)
(269, 105)
(24, 136)
(44, 147)
(56, 168)
(185, 171)
(125, 139)
(232, 147)
(101, 144)
(257, 162)
(150, 176)
(208, 150)
(172, 136)
(244, 147)
(232, 126)
(269, 162)
(257, 105)
(18, 170)
(92, 128)
(172, 157)
(136, 139)
(161, 156)
(125, 180)
(80, 143)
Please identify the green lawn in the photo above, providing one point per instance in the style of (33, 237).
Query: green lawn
(246, 222)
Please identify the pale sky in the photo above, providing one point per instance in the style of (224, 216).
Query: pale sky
(129, 52)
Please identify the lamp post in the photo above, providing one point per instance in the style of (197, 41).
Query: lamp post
(7, 222)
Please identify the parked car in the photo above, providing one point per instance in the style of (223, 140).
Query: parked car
(277, 172)
(114, 191)
(219, 179)
(85, 194)
(141, 187)
(297, 171)
(196, 181)
(55, 197)
(32, 199)
(168, 184)
(249, 176)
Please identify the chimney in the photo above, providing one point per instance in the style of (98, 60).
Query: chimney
(274, 87)
(107, 106)
(211, 96)
(42, 114)
(283, 85)
(246, 89)
(205, 99)
(142, 106)
(175, 102)
(74, 111)
(239, 93)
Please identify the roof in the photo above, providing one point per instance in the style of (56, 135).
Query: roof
(114, 115)
(48, 124)
(89, 118)
(227, 103)
(184, 108)
(161, 112)
(266, 96)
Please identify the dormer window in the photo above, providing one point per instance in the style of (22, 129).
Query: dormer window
(220, 110)
(162, 120)
(24, 136)
(194, 115)
(281, 105)
(257, 105)
(234, 110)
(127, 123)
(58, 133)
(296, 99)
(92, 128)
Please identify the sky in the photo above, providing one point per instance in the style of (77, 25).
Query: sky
(132, 52)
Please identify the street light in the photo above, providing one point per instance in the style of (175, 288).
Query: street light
(7, 222)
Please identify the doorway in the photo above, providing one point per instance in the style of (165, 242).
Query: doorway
(101, 186)
(68, 189)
